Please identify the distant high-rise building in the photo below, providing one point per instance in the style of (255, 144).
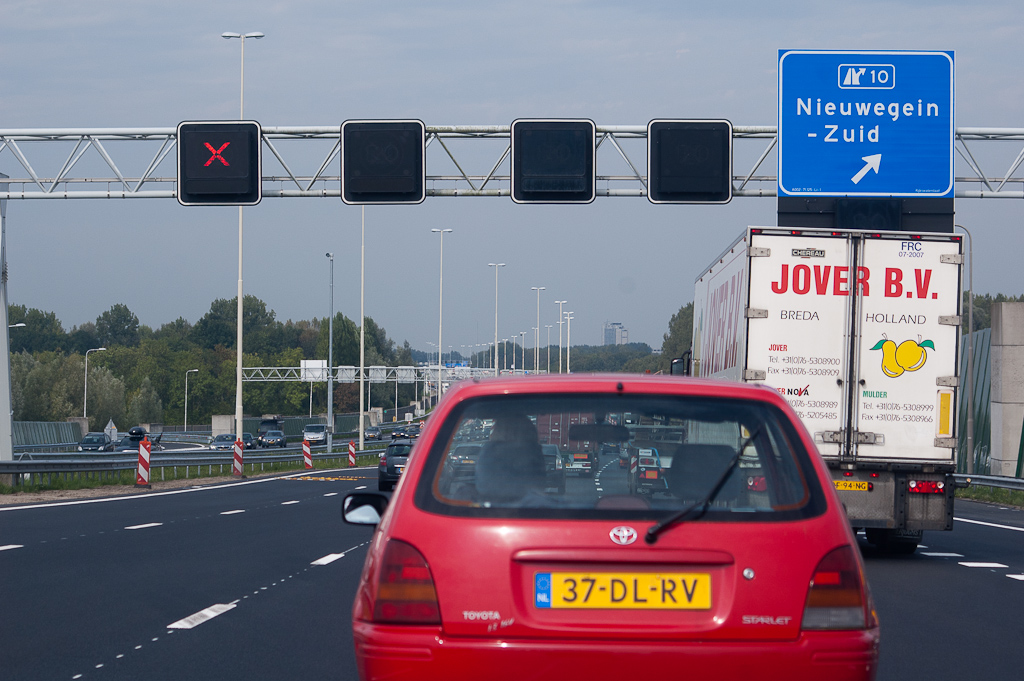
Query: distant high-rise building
(615, 333)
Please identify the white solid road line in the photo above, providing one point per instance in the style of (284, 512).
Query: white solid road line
(12, 546)
(143, 527)
(232, 512)
(1001, 527)
(204, 615)
(983, 565)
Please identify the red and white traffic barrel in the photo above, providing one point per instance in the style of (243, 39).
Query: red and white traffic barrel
(238, 467)
(351, 454)
(142, 472)
(306, 456)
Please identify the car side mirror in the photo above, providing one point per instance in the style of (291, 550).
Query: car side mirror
(681, 365)
(363, 508)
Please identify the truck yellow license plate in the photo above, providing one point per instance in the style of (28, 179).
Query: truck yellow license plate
(851, 485)
(623, 590)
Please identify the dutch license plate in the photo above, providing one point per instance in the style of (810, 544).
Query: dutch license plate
(851, 485)
(623, 590)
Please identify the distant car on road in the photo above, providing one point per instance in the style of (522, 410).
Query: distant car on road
(373, 433)
(96, 442)
(398, 433)
(130, 442)
(247, 441)
(274, 438)
(315, 433)
(392, 463)
(223, 441)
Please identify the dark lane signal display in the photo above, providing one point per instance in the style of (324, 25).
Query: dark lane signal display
(219, 163)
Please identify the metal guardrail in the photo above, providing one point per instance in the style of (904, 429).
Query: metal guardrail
(1000, 481)
(74, 465)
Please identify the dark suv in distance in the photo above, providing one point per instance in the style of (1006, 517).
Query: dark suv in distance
(96, 442)
(392, 463)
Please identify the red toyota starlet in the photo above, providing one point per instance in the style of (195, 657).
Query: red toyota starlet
(483, 568)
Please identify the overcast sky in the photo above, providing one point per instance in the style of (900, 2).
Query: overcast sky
(154, 64)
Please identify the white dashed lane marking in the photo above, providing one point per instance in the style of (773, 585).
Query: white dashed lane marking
(288, 503)
(12, 546)
(204, 615)
(143, 527)
(982, 565)
(232, 512)
(329, 558)
(1019, 578)
(942, 555)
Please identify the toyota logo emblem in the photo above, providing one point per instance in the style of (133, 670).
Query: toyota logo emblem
(623, 535)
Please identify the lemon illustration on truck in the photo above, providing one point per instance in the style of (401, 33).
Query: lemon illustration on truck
(910, 355)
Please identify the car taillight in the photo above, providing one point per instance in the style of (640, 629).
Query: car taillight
(405, 593)
(927, 486)
(838, 597)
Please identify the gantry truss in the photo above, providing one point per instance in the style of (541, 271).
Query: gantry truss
(302, 161)
(372, 374)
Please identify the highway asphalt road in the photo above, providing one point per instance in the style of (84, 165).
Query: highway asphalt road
(255, 580)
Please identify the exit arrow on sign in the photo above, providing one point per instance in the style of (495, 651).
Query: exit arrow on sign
(873, 162)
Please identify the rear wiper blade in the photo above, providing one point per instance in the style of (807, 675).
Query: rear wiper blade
(654, 530)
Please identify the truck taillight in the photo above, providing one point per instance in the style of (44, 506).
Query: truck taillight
(927, 486)
(838, 597)
(405, 592)
(647, 461)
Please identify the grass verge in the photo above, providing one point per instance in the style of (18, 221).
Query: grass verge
(994, 495)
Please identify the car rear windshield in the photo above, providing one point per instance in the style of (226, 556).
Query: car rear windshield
(315, 429)
(93, 440)
(489, 459)
(399, 450)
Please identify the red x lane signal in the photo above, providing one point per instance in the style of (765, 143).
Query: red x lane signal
(216, 153)
(219, 163)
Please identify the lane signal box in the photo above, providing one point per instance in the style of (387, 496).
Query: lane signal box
(219, 163)
(553, 161)
(689, 161)
(383, 162)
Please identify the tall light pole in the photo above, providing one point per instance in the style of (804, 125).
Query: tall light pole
(85, 395)
(362, 326)
(238, 369)
(536, 337)
(190, 371)
(495, 265)
(560, 303)
(568, 341)
(548, 327)
(504, 352)
(330, 364)
(522, 335)
(440, 309)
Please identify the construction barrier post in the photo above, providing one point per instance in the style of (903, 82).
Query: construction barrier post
(351, 454)
(306, 456)
(238, 467)
(142, 473)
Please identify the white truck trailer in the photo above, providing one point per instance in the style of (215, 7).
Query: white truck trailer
(860, 332)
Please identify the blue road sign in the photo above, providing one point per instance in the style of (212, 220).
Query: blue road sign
(865, 123)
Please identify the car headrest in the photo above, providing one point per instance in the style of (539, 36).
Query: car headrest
(696, 468)
(506, 471)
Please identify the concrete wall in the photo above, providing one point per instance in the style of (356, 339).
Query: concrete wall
(223, 424)
(83, 424)
(1007, 386)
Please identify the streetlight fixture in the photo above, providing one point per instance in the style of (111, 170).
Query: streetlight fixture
(560, 303)
(568, 340)
(238, 324)
(495, 265)
(85, 395)
(190, 371)
(536, 337)
(16, 326)
(330, 364)
(440, 308)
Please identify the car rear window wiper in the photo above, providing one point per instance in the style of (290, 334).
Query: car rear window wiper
(654, 530)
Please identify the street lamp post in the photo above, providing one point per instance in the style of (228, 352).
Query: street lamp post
(560, 303)
(238, 324)
(504, 352)
(85, 395)
(190, 371)
(495, 265)
(440, 308)
(536, 337)
(522, 336)
(330, 364)
(548, 327)
(568, 341)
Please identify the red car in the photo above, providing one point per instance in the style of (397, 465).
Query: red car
(485, 571)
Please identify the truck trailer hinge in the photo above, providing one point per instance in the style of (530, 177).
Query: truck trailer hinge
(950, 320)
(952, 258)
(754, 375)
(759, 252)
(947, 381)
(755, 313)
(832, 436)
(947, 442)
(870, 438)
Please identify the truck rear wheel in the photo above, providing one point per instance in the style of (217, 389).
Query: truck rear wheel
(894, 542)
